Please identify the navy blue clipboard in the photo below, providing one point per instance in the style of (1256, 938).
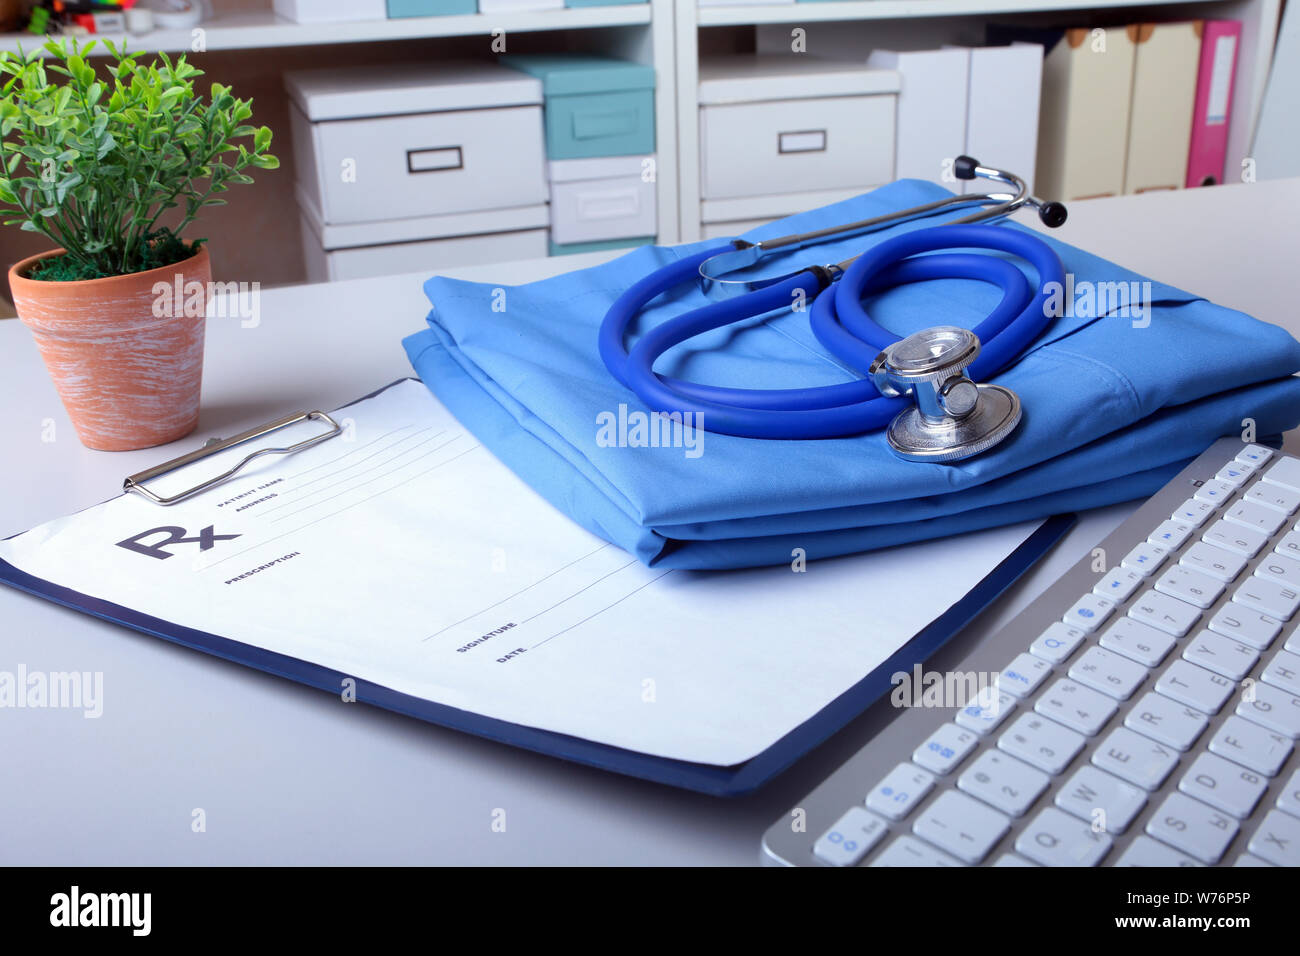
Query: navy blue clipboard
(718, 781)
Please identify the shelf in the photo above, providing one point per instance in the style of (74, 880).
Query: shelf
(901, 9)
(249, 31)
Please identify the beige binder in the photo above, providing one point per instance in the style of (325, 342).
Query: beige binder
(1084, 116)
(1164, 98)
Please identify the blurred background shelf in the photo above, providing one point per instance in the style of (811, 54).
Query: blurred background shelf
(263, 29)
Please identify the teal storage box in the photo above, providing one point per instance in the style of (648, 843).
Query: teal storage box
(429, 8)
(595, 106)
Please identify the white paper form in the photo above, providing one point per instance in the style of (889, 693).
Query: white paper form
(405, 554)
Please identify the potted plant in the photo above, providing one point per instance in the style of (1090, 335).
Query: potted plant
(112, 165)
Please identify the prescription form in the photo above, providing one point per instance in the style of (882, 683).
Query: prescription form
(403, 553)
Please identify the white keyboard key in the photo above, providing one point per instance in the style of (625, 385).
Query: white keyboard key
(1255, 517)
(1191, 586)
(1135, 758)
(1146, 558)
(1251, 746)
(1193, 512)
(1216, 492)
(1137, 641)
(1268, 597)
(961, 825)
(902, 789)
(1280, 499)
(1214, 561)
(1170, 534)
(1023, 675)
(1041, 742)
(1010, 859)
(1255, 454)
(1145, 851)
(1198, 830)
(1054, 838)
(1247, 860)
(909, 851)
(1167, 721)
(1077, 707)
(1221, 654)
(1274, 567)
(1089, 612)
(1109, 673)
(1285, 472)
(1118, 583)
(1289, 546)
(850, 839)
(1223, 785)
(1165, 613)
(1283, 672)
(1097, 797)
(1277, 839)
(987, 711)
(1236, 473)
(1293, 642)
(1195, 686)
(947, 747)
(1242, 624)
(1057, 642)
(1232, 537)
(1288, 798)
(1003, 782)
(1273, 709)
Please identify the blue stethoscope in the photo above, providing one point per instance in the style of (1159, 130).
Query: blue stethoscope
(919, 388)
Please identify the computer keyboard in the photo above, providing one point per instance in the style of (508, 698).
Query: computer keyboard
(1145, 708)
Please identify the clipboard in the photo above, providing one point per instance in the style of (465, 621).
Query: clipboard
(728, 781)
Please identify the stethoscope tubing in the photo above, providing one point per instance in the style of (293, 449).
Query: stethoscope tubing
(840, 323)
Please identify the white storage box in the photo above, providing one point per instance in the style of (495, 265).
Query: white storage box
(597, 199)
(777, 124)
(408, 141)
(331, 11)
(731, 217)
(420, 245)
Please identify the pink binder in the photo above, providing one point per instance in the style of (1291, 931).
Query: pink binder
(1209, 146)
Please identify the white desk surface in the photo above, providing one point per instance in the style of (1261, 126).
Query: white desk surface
(285, 774)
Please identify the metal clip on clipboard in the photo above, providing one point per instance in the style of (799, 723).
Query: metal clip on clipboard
(213, 446)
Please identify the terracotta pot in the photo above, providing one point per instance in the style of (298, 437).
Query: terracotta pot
(125, 355)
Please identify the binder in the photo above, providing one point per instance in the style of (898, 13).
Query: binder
(931, 124)
(1084, 115)
(1164, 93)
(1213, 111)
(1005, 87)
(715, 780)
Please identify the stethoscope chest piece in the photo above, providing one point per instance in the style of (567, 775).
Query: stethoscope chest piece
(953, 418)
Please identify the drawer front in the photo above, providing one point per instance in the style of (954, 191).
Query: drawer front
(599, 209)
(600, 124)
(758, 149)
(429, 256)
(400, 167)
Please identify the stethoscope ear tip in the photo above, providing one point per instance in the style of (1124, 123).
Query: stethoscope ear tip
(1053, 214)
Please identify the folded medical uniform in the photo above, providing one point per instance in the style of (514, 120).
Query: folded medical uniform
(1116, 401)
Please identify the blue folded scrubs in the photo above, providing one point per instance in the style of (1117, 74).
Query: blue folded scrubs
(1115, 403)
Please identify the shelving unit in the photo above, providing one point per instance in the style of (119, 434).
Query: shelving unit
(668, 35)
(1259, 31)
(264, 30)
